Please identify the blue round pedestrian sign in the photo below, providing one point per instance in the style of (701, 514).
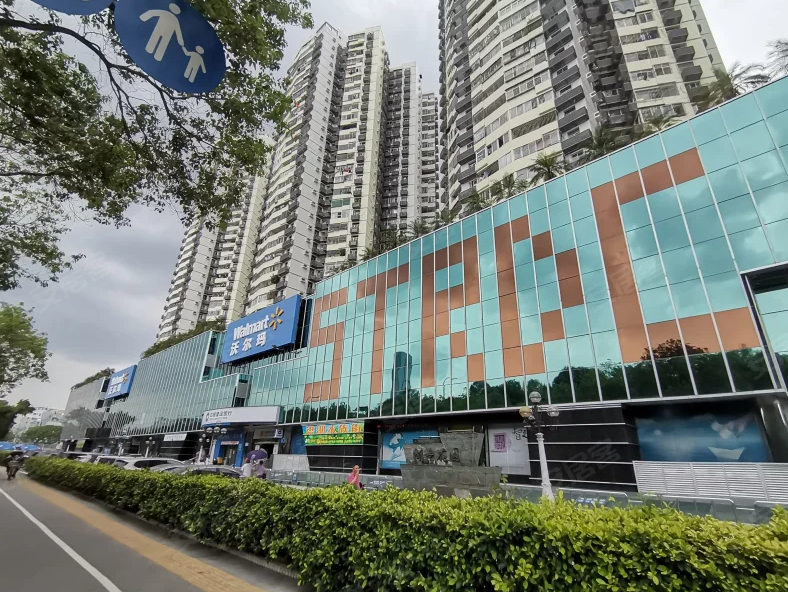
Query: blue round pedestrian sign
(79, 7)
(172, 42)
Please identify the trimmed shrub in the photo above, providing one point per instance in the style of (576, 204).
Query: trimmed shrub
(339, 538)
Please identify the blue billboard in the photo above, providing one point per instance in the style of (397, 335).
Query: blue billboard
(392, 452)
(269, 328)
(120, 382)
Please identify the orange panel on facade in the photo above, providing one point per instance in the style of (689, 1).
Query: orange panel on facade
(442, 301)
(520, 229)
(322, 337)
(629, 188)
(403, 273)
(471, 272)
(441, 259)
(391, 278)
(428, 327)
(659, 333)
(428, 363)
(458, 344)
(308, 392)
(533, 356)
(456, 297)
(656, 177)
(552, 325)
(442, 324)
(604, 197)
(377, 360)
(513, 362)
(509, 311)
(334, 389)
(699, 332)
(378, 339)
(361, 288)
(506, 283)
(428, 264)
(626, 310)
(380, 319)
(340, 333)
(686, 166)
(609, 223)
(566, 264)
(633, 343)
(476, 367)
(510, 334)
(380, 292)
(428, 295)
(614, 251)
(542, 246)
(455, 254)
(737, 330)
(376, 383)
(334, 300)
(504, 256)
(342, 297)
(571, 290)
(370, 285)
(330, 332)
(620, 280)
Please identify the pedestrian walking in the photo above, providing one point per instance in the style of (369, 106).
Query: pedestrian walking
(355, 478)
(260, 469)
(246, 468)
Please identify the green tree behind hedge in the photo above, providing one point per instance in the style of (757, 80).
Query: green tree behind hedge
(42, 434)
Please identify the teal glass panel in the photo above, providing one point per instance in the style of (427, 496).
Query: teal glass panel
(548, 297)
(590, 258)
(581, 353)
(648, 272)
(473, 315)
(740, 113)
(778, 125)
(500, 214)
(527, 302)
(634, 214)
(581, 206)
(443, 371)
(524, 276)
(559, 214)
(677, 139)
(442, 348)
(489, 287)
(523, 252)
(707, 127)
(540, 222)
(585, 231)
(594, 285)
(459, 369)
(672, 234)
(778, 235)
(764, 170)
(441, 239)
(414, 329)
(714, 257)
(531, 329)
(680, 265)
(484, 221)
(469, 227)
(455, 233)
(457, 319)
(487, 264)
(402, 313)
(575, 321)
(491, 311)
(728, 183)
(563, 239)
(656, 305)
(739, 214)
(442, 279)
(664, 204)
(545, 271)
(486, 242)
(474, 341)
(493, 364)
(649, 151)
(576, 182)
(606, 348)
(695, 195)
(403, 294)
(689, 298)
(556, 191)
(517, 207)
(704, 224)
(772, 203)
(752, 141)
(415, 284)
(598, 173)
(601, 316)
(555, 355)
(428, 244)
(641, 243)
(404, 254)
(623, 162)
(751, 249)
(415, 250)
(537, 199)
(455, 275)
(771, 97)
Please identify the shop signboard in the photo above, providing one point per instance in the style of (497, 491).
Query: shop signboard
(175, 437)
(508, 446)
(262, 331)
(333, 434)
(241, 415)
(392, 452)
(120, 382)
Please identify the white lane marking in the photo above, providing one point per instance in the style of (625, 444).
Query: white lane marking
(100, 577)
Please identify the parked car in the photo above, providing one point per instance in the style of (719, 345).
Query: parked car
(139, 463)
(168, 468)
(222, 470)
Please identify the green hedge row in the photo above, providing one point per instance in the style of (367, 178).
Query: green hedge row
(342, 539)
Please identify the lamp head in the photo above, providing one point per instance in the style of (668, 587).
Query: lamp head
(535, 397)
(525, 412)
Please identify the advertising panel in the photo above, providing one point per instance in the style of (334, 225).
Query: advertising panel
(269, 328)
(508, 446)
(333, 434)
(241, 415)
(392, 453)
(120, 382)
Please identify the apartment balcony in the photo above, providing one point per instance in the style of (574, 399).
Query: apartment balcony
(572, 119)
(565, 56)
(559, 40)
(684, 53)
(666, 4)
(677, 35)
(570, 97)
(671, 17)
(691, 73)
(576, 141)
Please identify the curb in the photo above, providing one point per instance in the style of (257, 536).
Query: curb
(269, 564)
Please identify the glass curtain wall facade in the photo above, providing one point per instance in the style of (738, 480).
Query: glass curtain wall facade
(621, 280)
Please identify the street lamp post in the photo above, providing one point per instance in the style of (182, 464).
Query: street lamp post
(533, 418)
(149, 443)
(204, 437)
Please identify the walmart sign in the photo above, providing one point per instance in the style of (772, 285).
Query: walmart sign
(120, 382)
(269, 328)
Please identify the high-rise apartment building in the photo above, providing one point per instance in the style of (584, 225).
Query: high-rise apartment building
(526, 76)
(428, 158)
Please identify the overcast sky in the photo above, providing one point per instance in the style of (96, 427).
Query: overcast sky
(106, 311)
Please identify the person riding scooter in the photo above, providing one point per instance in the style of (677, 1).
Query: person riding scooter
(14, 462)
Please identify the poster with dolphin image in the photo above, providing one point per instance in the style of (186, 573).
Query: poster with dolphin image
(392, 452)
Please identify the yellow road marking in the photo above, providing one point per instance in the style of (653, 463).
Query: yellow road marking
(196, 572)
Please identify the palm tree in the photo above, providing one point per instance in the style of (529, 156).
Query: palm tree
(546, 167)
(446, 216)
(656, 124)
(731, 83)
(778, 57)
(507, 187)
(418, 228)
(476, 202)
(603, 142)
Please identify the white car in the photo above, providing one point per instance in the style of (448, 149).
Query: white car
(139, 463)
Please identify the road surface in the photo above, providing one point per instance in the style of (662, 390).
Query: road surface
(51, 541)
